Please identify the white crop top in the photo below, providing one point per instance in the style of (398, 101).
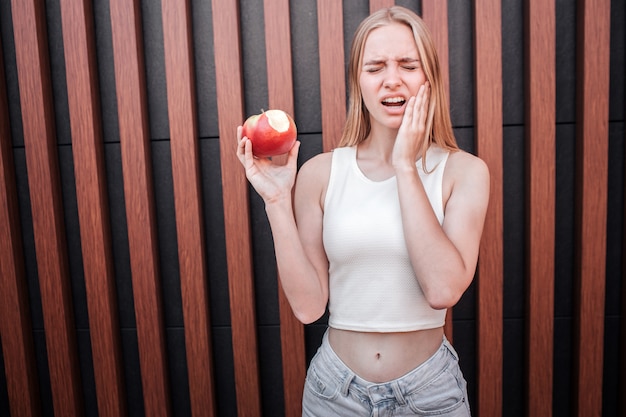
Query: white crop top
(373, 287)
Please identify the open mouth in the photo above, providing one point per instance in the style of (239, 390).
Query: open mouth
(394, 102)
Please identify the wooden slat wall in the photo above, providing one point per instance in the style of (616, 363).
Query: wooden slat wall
(86, 124)
(488, 140)
(45, 192)
(332, 81)
(189, 224)
(138, 193)
(78, 29)
(592, 140)
(540, 111)
(228, 79)
(15, 320)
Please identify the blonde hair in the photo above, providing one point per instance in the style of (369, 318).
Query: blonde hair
(438, 123)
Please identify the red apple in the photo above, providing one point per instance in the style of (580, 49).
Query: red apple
(272, 132)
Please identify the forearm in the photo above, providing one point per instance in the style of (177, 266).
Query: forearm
(437, 263)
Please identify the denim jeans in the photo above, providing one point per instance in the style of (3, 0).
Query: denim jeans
(434, 388)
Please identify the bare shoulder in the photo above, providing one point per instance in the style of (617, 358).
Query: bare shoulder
(463, 165)
(320, 162)
(313, 176)
(466, 174)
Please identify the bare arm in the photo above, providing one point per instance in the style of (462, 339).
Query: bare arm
(444, 256)
(301, 260)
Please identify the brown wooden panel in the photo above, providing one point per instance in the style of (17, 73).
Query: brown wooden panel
(488, 133)
(592, 141)
(15, 322)
(332, 71)
(31, 50)
(91, 192)
(181, 100)
(379, 4)
(280, 95)
(138, 194)
(540, 22)
(228, 79)
(435, 15)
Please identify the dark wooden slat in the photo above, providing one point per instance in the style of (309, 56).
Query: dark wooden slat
(435, 15)
(280, 94)
(332, 71)
(91, 192)
(488, 134)
(181, 99)
(228, 79)
(31, 49)
(592, 108)
(540, 26)
(15, 322)
(138, 194)
(379, 4)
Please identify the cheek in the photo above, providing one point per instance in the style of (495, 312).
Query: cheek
(415, 81)
(368, 92)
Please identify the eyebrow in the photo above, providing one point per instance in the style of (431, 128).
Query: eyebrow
(380, 61)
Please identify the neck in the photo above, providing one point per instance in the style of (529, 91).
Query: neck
(379, 143)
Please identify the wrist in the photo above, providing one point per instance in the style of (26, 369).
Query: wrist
(405, 168)
(278, 203)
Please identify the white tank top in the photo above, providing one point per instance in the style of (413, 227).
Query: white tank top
(373, 287)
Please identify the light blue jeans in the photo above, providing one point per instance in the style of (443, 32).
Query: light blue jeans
(434, 388)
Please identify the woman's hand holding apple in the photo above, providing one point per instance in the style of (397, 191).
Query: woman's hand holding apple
(272, 181)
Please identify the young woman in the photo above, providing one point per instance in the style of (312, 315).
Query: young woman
(385, 230)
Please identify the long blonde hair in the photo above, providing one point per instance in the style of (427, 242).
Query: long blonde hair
(438, 123)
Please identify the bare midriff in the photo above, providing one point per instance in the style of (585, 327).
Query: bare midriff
(383, 357)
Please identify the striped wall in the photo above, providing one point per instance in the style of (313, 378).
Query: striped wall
(136, 265)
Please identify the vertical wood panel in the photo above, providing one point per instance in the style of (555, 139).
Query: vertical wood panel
(187, 198)
(228, 80)
(280, 95)
(138, 194)
(45, 193)
(435, 15)
(540, 112)
(488, 90)
(332, 71)
(91, 192)
(15, 322)
(592, 109)
(379, 4)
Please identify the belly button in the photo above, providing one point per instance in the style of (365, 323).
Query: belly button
(378, 356)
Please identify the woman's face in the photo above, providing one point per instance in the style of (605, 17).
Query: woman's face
(391, 73)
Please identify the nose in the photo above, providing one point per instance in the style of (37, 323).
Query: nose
(392, 78)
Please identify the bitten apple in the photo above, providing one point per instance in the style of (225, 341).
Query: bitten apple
(272, 132)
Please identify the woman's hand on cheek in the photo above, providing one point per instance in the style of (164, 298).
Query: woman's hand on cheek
(412, 132)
